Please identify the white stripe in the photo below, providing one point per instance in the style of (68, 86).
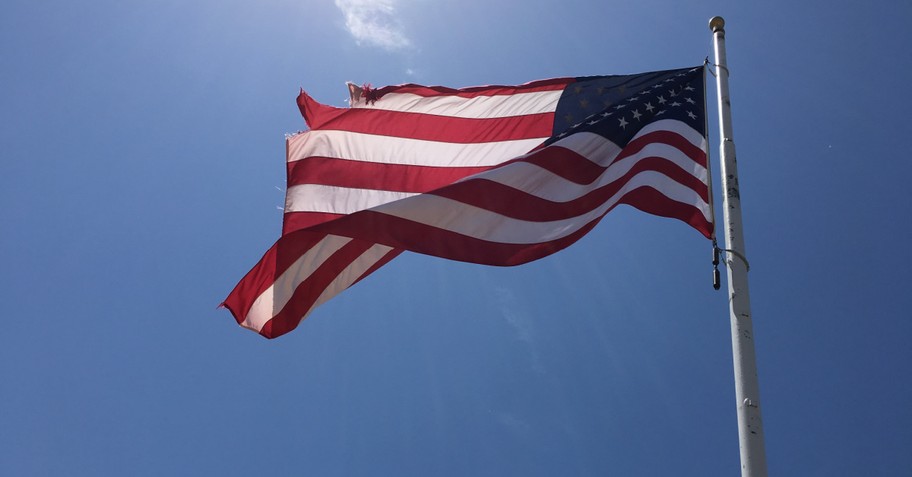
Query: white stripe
(352, 272)
(396, 150)
(335, 199)
(497, 106)
(522, 176)
(480, 223)
(673, 125)
(540, 182)
(277, 295)
(592, 146)
(264, 307)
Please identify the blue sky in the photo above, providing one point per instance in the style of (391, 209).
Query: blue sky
(141, 175)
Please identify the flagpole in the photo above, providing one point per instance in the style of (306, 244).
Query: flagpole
(747, 388)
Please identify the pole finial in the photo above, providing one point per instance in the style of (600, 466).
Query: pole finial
(717, 24)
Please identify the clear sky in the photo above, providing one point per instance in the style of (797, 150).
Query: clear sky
(142, 174)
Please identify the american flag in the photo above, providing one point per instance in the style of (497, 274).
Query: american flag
(498, 175)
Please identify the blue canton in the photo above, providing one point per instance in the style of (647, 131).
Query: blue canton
(618, 106)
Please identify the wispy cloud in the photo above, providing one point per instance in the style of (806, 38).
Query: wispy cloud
(513, 422)
(520, 324)
(374, 23)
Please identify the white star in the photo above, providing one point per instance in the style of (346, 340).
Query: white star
(692, 115)
(623, 123)
(660, 112)
(606, 114)
(633, 99)
(661, 100)
(675, 103)
(620, 106)
(649, 107)
(689, 88)
(690, 101)
(636, 114)
(672, 93)
(669, 80)
(592, 123)
(657, 86)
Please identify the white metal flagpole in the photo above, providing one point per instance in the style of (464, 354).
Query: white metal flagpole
(747, 388)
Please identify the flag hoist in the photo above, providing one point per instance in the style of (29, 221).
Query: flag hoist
(747, 388)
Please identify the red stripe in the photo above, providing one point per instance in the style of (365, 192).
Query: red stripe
(573, 167)
(304, 296)
(510, 202)
(275, 261)
(654, 202)
(300, 220)
(371, 175)
(430, 127)
(279, 257)
(554, 84)
(383, 261)
(402, 233)
(317, 115)
(563, 162)
(669, 137)
(421, 238)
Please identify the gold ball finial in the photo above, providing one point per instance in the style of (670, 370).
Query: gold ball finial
(717, 24)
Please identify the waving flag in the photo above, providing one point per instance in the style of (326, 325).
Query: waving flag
(498, 175)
